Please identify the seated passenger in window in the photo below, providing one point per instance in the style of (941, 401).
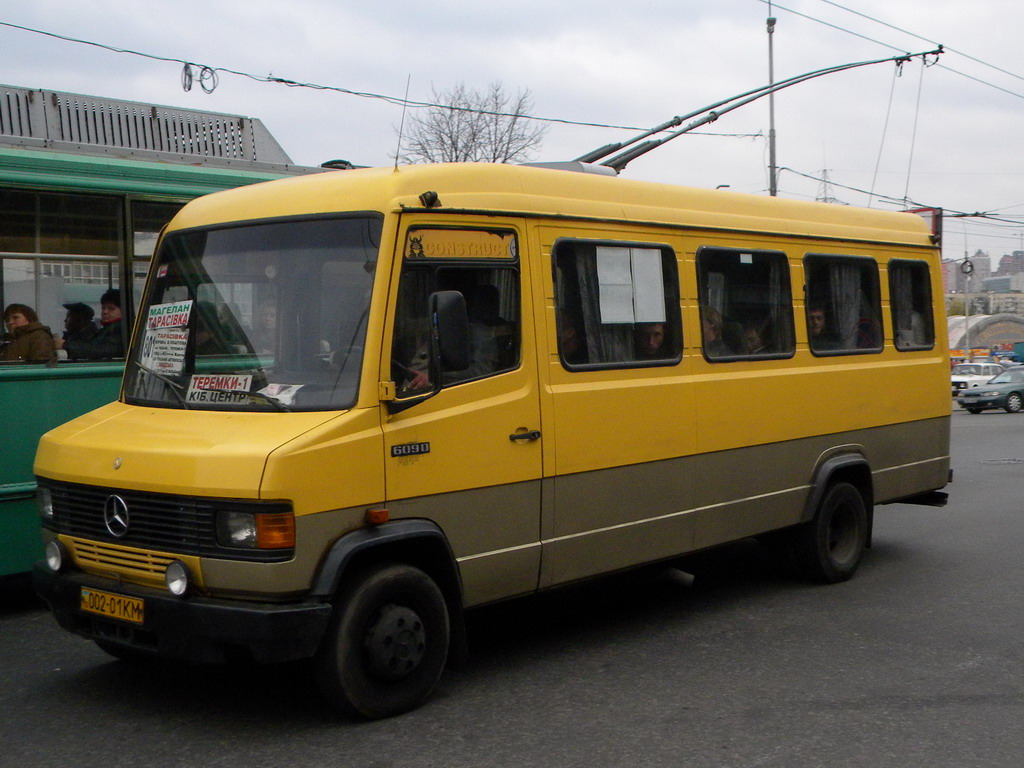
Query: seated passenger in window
(819, 333)
(78, 322)
(753, 343)
(108, 342)
(484, 329)
(27, 340)
(571, 344)
(711, 325)
(650, 341)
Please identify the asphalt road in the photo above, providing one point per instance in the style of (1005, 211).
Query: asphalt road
(915, 662)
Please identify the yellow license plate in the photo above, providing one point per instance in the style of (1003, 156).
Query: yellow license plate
(113, 606)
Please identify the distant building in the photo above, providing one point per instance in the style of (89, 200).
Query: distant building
(1011, 264)
(999, 331)
(954, 280)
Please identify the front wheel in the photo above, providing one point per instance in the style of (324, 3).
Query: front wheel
(829, 548)
(1013, 402)
(387, 643)
(975, 411)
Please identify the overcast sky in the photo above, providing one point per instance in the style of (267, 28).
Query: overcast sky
(946, 135)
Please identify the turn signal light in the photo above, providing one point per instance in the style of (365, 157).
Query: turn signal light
(275, 531)
(376, 516)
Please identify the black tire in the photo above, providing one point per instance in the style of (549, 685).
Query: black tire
(975, 411)
(387, 642)
(829, 548)
(1013, 403)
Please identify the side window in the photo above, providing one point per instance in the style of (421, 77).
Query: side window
(746, 304)
(61, 257)
(617, 304)
(910, 296)
(483, 266)
(844, 313)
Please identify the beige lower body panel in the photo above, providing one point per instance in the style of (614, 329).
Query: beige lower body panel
(510, 540)
(617, 518)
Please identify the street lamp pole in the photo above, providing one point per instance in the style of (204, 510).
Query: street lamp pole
(773, 189)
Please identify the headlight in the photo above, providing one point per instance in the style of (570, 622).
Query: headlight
(256, 530)
(56, 555)
(44, 500)
(177, 577)
(236, 529)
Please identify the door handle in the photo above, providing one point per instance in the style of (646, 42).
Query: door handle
(533, 434)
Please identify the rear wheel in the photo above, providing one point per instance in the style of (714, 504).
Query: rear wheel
(387, 643)
(975, 411)
(829, 548)
(1013, 403)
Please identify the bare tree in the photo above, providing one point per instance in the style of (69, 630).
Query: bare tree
(488, 127)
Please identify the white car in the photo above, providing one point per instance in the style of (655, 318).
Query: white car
(968, 375)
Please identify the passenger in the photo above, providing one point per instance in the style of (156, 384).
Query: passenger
(570, 343)
(649, 339)
(108, 342)
(818, 333)
(483, 325)
(711, 324)
(27, 340)
(78, 322)
(264, 332)
(752, 341)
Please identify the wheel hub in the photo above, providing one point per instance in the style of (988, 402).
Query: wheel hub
(396, 642)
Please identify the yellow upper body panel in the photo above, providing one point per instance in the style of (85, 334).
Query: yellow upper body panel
(483, 187)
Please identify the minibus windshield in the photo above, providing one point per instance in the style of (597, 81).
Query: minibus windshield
(267, 316)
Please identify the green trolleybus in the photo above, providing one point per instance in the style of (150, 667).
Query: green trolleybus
(86, 185)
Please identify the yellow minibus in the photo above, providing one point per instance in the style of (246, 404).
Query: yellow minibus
(360, 403)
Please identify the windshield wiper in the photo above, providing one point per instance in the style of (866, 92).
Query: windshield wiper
(175, 387)
(259, 395)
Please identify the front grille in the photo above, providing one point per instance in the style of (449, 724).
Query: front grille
(183, 525)
(120, 559)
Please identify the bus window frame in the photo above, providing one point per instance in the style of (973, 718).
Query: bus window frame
(877, 305)
(673, 314)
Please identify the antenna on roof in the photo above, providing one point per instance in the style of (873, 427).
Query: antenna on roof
(401, 125)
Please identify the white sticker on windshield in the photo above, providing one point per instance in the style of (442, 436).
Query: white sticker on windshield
(163, 348)
(283, 393)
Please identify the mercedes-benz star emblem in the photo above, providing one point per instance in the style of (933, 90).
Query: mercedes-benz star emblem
(115, 515)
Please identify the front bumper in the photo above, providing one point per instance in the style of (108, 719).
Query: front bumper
(996, 401)
(195, 628)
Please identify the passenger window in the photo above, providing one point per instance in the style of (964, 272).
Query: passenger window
(483, 267)
(746, 305)
(910, 296)
(617, 304)
(844, 313)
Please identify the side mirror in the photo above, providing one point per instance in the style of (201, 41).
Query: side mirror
(450, 325)
(449, 344)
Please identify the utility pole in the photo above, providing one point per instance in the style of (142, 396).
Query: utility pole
(773, 188)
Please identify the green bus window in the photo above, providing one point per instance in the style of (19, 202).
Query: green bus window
(844, 313)
(746, 304)
(910, 297)
(617, 304)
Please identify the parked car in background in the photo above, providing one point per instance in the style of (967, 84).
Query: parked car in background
(968, 375)
(1005, 391)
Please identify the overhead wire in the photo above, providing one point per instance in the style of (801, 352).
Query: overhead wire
(897, 48)
(208, 81)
